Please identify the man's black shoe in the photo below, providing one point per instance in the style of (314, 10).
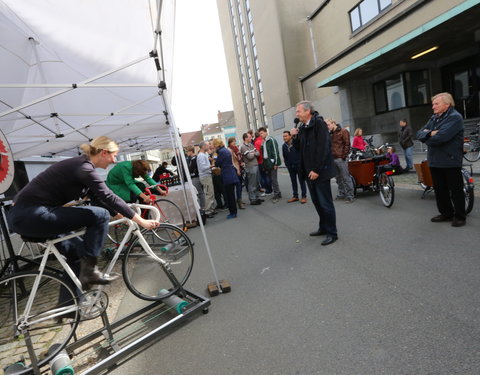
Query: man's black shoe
(255, 203)
(440, 218)
(458, 222)
(318, 233)
(210, 215)
(329, 240)
(261, 200)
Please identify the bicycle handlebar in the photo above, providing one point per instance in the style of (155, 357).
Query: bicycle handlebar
(138, 207)
(164, 187)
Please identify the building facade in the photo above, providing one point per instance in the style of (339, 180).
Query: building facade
(365, 63)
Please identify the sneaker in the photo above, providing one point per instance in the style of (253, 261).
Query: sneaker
(261, 194)
(232, 216)
(349, 200)
(268, 193)
(340, 198)
(274, 200)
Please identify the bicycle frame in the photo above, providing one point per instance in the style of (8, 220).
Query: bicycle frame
(51, 249)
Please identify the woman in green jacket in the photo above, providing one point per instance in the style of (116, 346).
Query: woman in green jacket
(121, 180)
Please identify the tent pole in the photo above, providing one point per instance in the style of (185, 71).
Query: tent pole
(194, 198)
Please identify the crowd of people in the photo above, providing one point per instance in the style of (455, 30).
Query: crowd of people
(314, 152)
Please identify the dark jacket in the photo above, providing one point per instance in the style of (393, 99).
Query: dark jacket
(313, 142)
(445, 149)
(225, 162)
(405, 137)
(159, 171)
(68, 180)
(340, 143)
(192, 165)
(291, 156)
(270, 146)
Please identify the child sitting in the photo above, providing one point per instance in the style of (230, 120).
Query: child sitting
(394, 161)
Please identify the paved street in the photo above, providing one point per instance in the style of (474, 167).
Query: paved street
(396, 294)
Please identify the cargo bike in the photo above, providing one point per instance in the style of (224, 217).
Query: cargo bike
(374, 174)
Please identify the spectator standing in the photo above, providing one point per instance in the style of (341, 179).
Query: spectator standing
(218, 188)
(249, 157)
(238, 164)
(291, 158)
(317, 166)
(443, 134)
(340, 139)
(193, 170)
(229, 175)
(264, 186)
(405, 138)
(205, 176)
(271, 162)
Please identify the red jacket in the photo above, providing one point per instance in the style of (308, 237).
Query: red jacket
(258, 145)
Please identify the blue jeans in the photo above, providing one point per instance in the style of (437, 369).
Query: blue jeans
(51, 222)
(293, 172)
(409, 157)
(321, 194)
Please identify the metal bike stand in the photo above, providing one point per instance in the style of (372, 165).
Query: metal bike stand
(120, 351)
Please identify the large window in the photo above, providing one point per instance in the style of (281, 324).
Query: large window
(366, 10)
(402, 90)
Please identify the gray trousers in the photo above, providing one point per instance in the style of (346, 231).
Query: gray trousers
(207, 184)
(252, 173)
(200, 194)
(344, 182)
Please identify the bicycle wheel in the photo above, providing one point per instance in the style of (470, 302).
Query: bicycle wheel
(170, 213)
(468, 191)
(473, 154)
(386, 189)
(145, 276)
(42, 325)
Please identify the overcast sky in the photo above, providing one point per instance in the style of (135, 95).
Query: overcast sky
(200, 79)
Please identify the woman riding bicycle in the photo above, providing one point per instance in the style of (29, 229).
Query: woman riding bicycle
(39, 211)
(121, 179)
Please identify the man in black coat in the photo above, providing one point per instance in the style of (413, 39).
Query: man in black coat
(317, 167)
(443, 134)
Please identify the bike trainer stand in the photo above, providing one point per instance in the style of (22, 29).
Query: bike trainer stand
(116, 342)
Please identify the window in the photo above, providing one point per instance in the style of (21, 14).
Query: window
(395, 92)
(367, 10)
(402, 90)
(418, 87)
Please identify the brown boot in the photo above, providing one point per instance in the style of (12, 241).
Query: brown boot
(89, 273)
(240, 203)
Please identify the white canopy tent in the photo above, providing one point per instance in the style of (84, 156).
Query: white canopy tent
(85, 70)
(72, 71)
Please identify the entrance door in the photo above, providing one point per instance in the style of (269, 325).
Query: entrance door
(462, 80)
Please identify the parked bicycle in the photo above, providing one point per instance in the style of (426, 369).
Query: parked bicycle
(170, 213)
(426, 182)
(374, 174)
(471, 145)
(32, 315)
